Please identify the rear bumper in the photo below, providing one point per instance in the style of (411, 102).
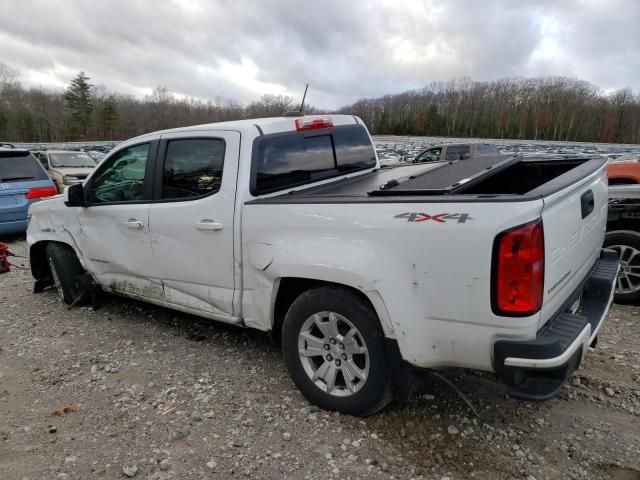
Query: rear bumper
(11, 228)
(537, 369)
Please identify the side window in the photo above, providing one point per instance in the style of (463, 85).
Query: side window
(121, 178)
(456, 152)
(192, 168)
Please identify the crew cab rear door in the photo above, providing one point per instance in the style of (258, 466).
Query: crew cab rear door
(191, 219)
(574, 222)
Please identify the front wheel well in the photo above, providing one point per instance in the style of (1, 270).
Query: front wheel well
(290, 288)
(38, 259)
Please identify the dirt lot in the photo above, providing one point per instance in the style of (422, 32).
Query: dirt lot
(156, 394)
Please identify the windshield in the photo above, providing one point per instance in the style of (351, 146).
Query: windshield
(71, 159)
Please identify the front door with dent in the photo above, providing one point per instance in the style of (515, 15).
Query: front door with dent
(114, 226)
(192, 217)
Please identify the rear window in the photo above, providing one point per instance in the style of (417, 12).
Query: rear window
(20, 167)
(292, 159)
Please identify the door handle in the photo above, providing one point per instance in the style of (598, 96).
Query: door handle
(209, 224)
(587, 203)
(133, 223)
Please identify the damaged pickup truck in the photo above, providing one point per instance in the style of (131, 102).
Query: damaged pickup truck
(365, 275)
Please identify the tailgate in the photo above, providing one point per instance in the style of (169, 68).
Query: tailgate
(574, 222)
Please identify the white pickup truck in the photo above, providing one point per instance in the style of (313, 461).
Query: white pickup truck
(365, 275)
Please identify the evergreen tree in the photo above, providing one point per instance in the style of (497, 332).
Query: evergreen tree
(80, 105)
(434, 120)
(108, 118)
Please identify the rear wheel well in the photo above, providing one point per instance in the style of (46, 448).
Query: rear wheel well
(291, 288)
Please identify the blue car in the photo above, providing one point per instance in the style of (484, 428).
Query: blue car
(23, 181)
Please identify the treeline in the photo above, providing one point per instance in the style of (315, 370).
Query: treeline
(551, 108)
(87, 112)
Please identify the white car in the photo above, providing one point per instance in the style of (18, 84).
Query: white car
(365, 275)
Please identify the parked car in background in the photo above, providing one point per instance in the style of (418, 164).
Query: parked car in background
(623, 236)
(22, 182)
(455, 151)
(389, 159)
(66, 167)
(625, 170)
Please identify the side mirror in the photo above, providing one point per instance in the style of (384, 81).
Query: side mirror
(74, 196)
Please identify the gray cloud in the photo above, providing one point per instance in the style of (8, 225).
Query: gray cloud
(345, 50)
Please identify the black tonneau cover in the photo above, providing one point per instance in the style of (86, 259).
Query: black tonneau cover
(447, 177)
(451, 183)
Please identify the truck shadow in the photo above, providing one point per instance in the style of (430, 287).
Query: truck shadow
(436, 395)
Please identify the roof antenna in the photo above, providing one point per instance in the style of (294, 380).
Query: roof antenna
(299, 113)
(304, 97)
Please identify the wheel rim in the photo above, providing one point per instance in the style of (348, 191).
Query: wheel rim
(629, 275)
(56, 279)
(334, 354)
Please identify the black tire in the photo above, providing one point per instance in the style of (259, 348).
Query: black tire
(625, 242)
(66, 271)
(377, 390)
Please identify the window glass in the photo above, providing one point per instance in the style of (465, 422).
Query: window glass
(455, 152)
(288, 160)
(121, 177)
(20, 166)
(354, 150)
(193, 167)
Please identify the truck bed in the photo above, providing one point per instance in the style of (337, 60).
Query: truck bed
(485, 179)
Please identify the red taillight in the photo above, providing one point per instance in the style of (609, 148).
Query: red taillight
(39, 192)
(313, 123)
(518, 270)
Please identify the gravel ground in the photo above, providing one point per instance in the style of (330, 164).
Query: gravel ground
(132, 390)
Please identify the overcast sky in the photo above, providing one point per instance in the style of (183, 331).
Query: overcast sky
(346, 49)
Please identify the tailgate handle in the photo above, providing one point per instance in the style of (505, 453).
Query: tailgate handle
(587, 203)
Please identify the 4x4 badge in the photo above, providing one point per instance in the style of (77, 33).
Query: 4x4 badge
(440, 217)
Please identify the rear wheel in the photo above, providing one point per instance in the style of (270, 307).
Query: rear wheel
(334, 351)
(627, 244)
(65, 271)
